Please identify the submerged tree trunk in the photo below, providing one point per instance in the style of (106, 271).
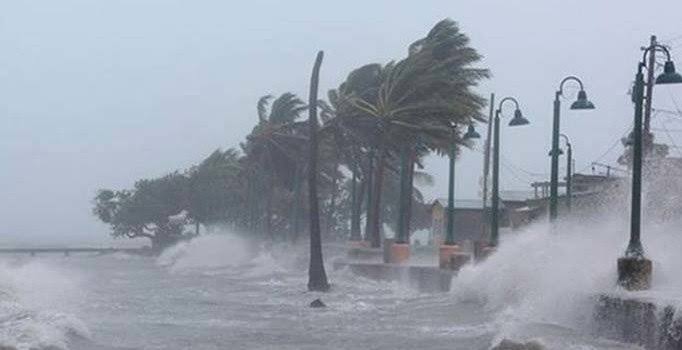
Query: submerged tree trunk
(317, 277)
(375, 233)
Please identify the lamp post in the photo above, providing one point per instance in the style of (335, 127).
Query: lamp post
(450, 234)
(634, 270)
(580, 104)
(517, 120)
(569, 174)
(449, 247)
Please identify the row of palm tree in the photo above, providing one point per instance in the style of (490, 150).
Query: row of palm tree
(362, 156)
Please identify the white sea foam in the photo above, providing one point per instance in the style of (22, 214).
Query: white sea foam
(31, 297)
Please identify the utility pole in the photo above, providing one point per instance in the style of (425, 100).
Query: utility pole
(486, 152)
(648, 140)
(486, 165)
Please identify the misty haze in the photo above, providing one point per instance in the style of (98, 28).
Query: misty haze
(481, 175)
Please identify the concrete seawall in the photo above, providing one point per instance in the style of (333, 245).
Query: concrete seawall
(652, 324)
(422, 278)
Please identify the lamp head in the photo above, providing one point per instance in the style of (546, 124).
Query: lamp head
(471, 133)
(669, 76)
(518, 119)
(582, 102)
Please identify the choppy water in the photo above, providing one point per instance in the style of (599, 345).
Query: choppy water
(219, 292)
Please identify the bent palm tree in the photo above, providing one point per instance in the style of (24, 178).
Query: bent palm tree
(272, 148)
(414, 104)
(317, 277)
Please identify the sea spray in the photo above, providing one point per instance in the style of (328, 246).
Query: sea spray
(547, 275)
(208, 251)
(31, 298)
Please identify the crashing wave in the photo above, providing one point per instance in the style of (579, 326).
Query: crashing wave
(29, 299)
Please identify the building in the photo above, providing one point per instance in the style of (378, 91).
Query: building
(471, 220)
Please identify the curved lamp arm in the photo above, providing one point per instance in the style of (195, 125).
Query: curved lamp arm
(568, 142)
(565, 80)
(516, 103)
(656, 47)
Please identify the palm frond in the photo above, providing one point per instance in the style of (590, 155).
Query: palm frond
(263, 103)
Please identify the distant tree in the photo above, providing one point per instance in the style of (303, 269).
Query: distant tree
(154, 209)
(215, 192)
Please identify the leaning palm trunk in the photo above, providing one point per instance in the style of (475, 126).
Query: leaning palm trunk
(375, 233)
(317, 277)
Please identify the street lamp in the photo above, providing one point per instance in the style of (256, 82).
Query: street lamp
(450, 234)
(517, 120)
(449, 247)
(580, 103)
(634, 270)
(569, 175)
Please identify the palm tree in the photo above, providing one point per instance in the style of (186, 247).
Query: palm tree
(214, 189)
(271, 151)
(412, 105)
(341, 147)
(317, 277)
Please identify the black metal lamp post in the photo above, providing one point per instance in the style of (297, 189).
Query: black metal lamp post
(634, 270)
(581, 103)
(569, 171)
(517, 120)
(450, 234)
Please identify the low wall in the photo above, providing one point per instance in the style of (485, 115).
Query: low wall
(650, 323)
(423, 278)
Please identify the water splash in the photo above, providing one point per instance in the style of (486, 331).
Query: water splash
(208, 251)
(31, 296)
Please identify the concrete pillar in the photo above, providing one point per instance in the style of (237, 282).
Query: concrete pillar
(634, 273)
(399, 253)
(444, 253)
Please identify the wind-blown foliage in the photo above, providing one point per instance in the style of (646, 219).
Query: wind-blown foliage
(388, 115)
(153, 209)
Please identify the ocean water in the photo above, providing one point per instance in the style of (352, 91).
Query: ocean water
(224, 292)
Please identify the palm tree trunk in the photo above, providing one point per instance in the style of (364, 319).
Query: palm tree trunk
(295, 222)
(401, 215)
(317, 277)
(410, 192)
(251, 203)
(376, 204)
(356, 205)
(332, 203)
(268, 210)
(370, 195)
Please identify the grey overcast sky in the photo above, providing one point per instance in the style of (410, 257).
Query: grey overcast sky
(100, 93)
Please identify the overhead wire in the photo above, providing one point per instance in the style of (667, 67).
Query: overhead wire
(611, 148)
